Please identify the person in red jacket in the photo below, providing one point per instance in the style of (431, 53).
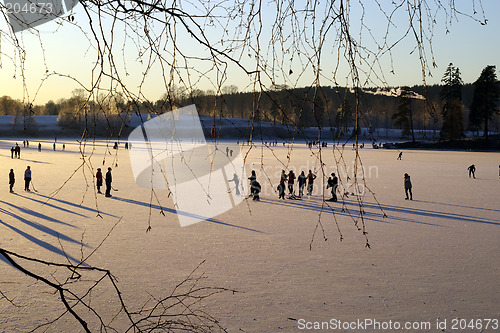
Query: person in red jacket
(310, 182)
(98, 176)
(291, 181)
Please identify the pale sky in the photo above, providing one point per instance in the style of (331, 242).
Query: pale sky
(469, 45)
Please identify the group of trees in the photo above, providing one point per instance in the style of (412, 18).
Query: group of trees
(333, 107)
(483, 106)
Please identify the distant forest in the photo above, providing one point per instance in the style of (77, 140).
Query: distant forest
(299, 107)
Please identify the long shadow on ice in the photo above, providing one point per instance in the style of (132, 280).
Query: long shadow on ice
(39, 227)
(459, 206)
(40, 242)
(433, 214)
(173, 211)
(36, 214)
(316, 205)
(69, 203)
(25, 160)
(49, 204)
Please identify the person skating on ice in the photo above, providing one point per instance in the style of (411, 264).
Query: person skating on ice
(408, 186)
(332, 183)
(472, 171)
(236, 181)
(252, 178)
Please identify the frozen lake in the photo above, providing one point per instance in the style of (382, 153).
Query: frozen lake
(432, 259)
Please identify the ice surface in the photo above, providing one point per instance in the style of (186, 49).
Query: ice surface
(436, 257)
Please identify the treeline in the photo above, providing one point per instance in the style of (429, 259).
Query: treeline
(449, 108)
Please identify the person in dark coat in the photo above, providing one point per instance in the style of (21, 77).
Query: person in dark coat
(332, 183)
(256, 190)
(302, 183)
(472, 171)
(281, 186)
(291, 180)
(252, 179)
(12, 180)
(108, 180)
(98, 176)
(12, 151)
(27, 178)
(310, 182)
(408, 187)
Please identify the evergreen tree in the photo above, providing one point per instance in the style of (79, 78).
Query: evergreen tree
(452, 111)
(485, 99)
(343, 118)
(403, 118)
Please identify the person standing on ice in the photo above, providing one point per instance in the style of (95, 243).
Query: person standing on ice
(27, 178)
(472, 171)
(310, 182)
(256, 191)
(332, 183)
(400, 155)
(291, 180)
(408, 187)
(301, 179)
(252, 179)
(12, 180)
(236, 181)
(281, 186)
(109, 179)
(98, 176)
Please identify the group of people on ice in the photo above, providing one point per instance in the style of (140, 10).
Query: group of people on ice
(27, 179)
(285, 179)
(108, 181)
(15, 151)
